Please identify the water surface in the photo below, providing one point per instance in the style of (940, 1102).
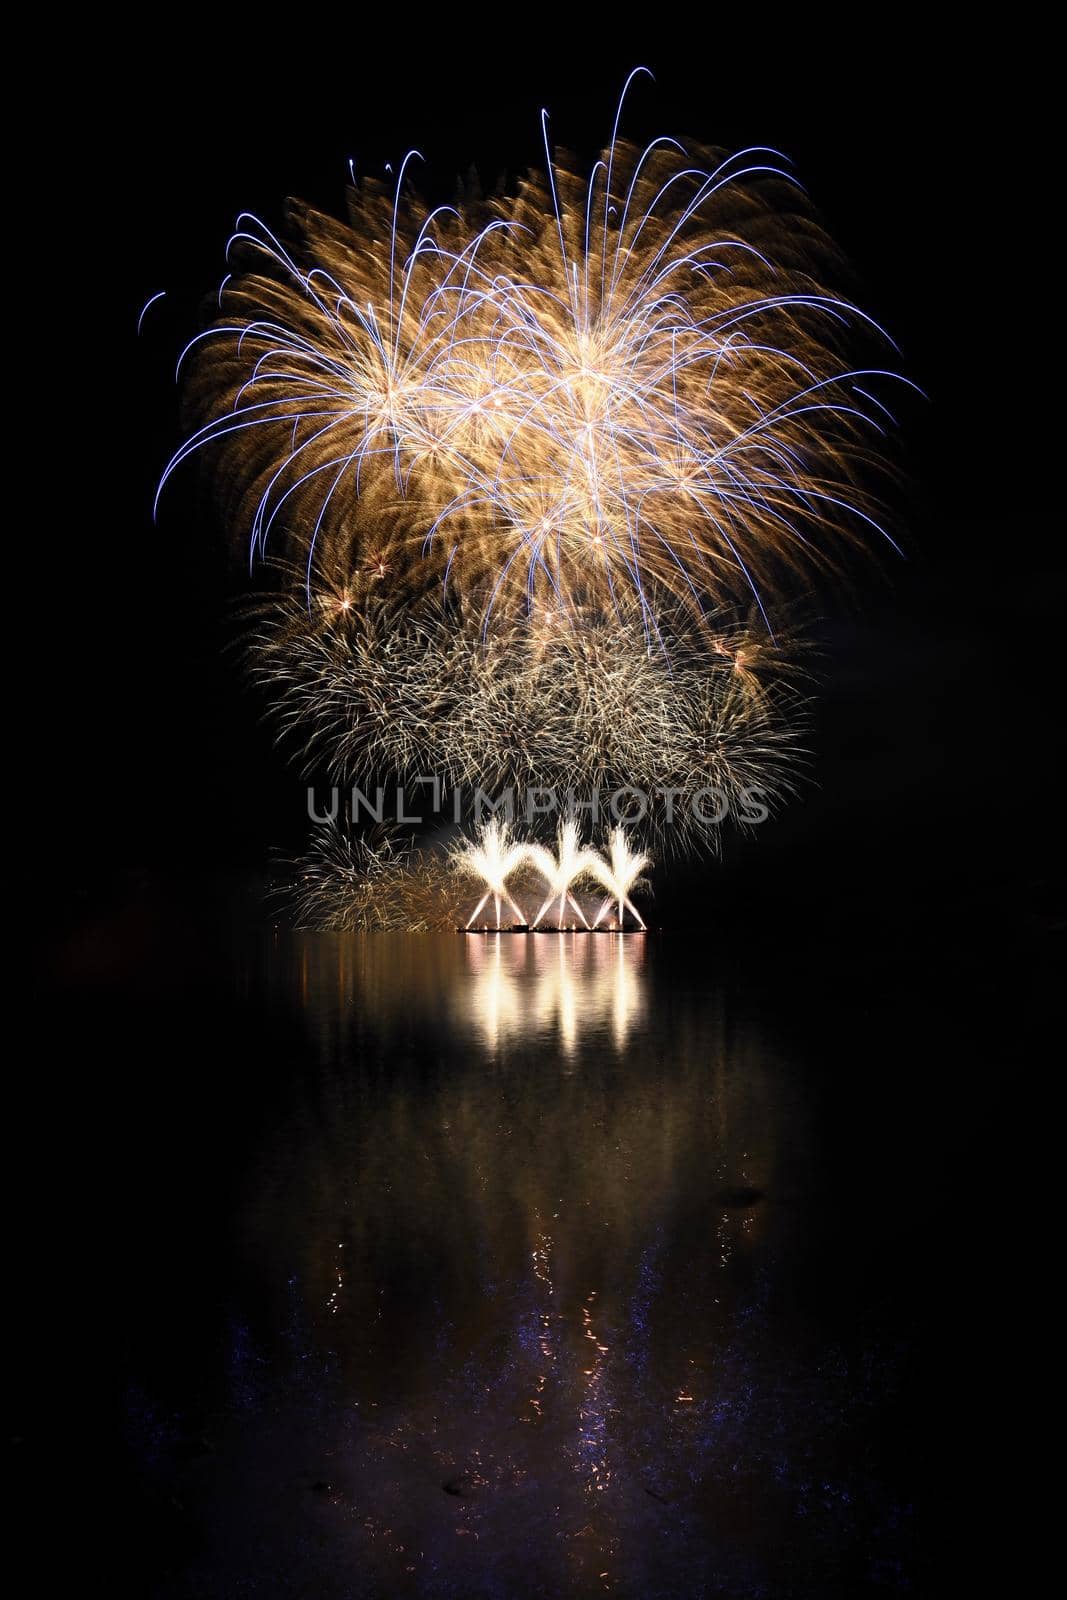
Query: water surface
(515, 1265)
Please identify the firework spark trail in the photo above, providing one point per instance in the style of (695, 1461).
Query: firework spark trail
(626, 387)
(343, 884)
(492, 858)
(561, 870)
(380, 693)
(620, 874)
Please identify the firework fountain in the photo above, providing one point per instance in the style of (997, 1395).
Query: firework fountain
(561, 870)
(619, 875)
(492, 860)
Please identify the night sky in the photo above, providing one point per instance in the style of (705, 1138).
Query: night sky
(933, 716)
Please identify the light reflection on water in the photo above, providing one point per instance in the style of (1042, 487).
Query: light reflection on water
(507, 988)
(516, 1241)
(531, 984)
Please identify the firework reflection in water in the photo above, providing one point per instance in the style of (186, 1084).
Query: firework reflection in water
(548, 1296)
(559, 988)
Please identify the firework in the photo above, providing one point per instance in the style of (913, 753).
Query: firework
(344, 884)
(619, 874)
(491, 859)
(623, 391)
(561, 870)
(536, 476)
(381, 692)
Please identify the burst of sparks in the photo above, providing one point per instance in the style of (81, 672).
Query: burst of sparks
(492, 858)
(561, 870)
(625, 388)
(620, 874)
(383, 690)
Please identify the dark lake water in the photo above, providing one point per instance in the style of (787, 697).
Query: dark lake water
(513, 1266)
